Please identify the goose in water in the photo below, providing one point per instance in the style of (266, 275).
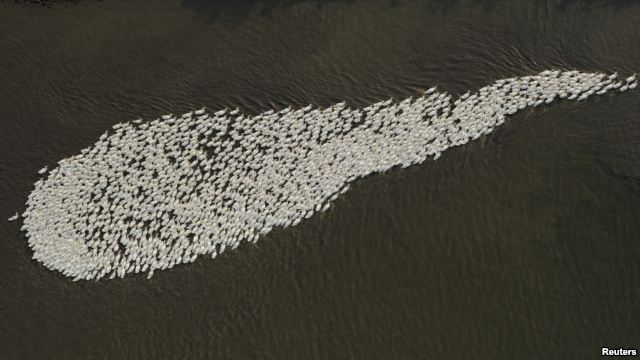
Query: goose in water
(14, 217)
(162, 193)
(42, 171)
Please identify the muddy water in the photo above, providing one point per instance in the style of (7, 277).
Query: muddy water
(521, 245)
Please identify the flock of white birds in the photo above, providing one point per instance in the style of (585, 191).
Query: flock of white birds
(148, 196)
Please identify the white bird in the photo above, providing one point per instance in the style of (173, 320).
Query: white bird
(14, 217)
(42, 171)
(150, 197)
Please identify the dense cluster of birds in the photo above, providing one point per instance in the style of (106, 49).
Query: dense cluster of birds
(151, 195)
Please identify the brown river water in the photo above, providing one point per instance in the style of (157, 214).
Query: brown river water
(521, 245)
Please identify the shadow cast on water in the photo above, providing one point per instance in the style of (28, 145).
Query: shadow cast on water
(240, 9)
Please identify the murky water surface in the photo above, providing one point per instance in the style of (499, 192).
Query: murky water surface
(521, 245)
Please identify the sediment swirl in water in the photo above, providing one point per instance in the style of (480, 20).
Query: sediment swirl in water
(151, 195)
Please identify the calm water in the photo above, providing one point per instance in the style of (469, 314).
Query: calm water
(521, 245)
